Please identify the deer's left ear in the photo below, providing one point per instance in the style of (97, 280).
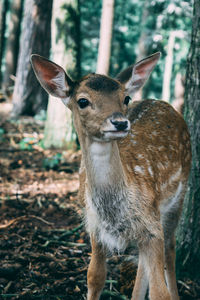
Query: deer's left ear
(52, 78)
(135, 76)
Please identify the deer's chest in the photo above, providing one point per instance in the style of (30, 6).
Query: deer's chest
(109, 216)
(114, 213)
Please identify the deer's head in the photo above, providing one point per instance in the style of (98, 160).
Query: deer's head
(99, 103)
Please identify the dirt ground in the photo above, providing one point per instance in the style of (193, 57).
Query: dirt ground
(44, 249)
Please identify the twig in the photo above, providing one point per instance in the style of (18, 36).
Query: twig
(71, 244)
(3, 226)
(184, 284)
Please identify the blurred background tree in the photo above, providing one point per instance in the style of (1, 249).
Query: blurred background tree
(3, 12)
(29, 98)
(12, 44)
(105, 39)
(66, 51)
(188, 251)
(139, 28)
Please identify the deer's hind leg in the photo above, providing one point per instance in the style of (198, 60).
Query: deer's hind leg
(169, 227)
(170, 218)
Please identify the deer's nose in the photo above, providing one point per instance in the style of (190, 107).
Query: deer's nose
(120, 125)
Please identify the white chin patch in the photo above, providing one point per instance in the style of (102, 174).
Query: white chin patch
(114, 135)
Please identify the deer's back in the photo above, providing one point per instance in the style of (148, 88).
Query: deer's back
(156, 153)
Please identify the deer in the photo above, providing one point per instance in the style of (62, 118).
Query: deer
(133, 174)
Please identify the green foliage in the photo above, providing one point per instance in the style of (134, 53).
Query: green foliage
(169, 16)
(69, 32)
(52, 162)
(126, 33)
(2, 131)
(27, 143)
(153, 20)
(90, 12)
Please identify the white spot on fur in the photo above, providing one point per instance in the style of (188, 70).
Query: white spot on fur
(150, 171)
(161, 166)
(133, 142)
(138, 169)
(154, 133)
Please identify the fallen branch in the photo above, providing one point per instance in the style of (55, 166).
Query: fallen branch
(9, 223)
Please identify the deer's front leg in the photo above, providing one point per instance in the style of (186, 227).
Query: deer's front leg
(153, 256)
(96, 272)
(141, 282)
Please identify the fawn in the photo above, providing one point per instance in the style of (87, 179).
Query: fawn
(133, 175)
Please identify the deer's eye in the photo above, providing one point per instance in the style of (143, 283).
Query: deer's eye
(82, 103)
(126, 100)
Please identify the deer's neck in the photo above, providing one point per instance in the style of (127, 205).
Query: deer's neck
(103, 163)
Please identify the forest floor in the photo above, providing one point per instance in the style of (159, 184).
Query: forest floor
(44, 249)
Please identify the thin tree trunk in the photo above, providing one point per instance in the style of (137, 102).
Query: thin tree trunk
(59, 131)
(168, 67)
(103, 61)
(3, 11)
(188, 237)
(142, 44)
(179, 93)
(29, 97)
(12, 45)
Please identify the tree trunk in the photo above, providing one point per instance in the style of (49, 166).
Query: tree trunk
(188, 238)
(103, 61)
(3, 11)
(29, 97)
(59, 131)
(142, 44)
(168, 67)
(179, 90)
(12, 44)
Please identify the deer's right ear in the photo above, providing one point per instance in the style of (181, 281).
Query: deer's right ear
(135, 76)
(52, 78)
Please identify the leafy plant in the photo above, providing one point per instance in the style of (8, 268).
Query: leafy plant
(52, 162)
(27, 143)
(2, 131)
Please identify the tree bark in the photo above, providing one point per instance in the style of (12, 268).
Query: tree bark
(3, 11)
(188, 237)
(12, 44)
(29, 97)
(103, 61)
(59, 131)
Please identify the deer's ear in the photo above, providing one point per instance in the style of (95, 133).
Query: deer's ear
(52, 78)
(135, 76)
